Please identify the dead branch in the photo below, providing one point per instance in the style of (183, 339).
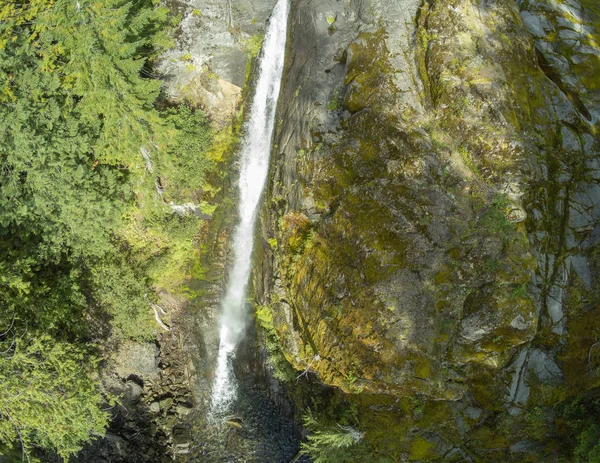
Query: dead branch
(158, 319)
(12, 322)
(316, 358)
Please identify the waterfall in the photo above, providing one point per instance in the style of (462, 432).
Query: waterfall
(255, 153)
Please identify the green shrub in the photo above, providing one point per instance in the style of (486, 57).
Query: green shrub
(77, 105)
(588, 445)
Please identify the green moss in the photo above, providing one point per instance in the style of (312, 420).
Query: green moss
(282, 369)
(253, 45)
(336, 102)
(494, 220)
(436, 414)
(489, 439)
(368, 72)
(588, 73)
(468, 160)
(386, 422)
(422, 449)
(484, 385)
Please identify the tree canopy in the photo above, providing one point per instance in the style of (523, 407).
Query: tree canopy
(77, 103)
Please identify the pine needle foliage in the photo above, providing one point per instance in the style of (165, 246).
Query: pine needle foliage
(334, 444)
(47, 399)
(88, 60)
(75, 108)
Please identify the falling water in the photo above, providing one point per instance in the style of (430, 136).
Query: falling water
(256, 148)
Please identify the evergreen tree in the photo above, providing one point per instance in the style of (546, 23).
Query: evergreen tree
(331, 444)
(47, 398)
(76, 106)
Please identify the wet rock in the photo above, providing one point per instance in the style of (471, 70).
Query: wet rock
(167, 403)
(473, 413)
(141, 432)
(137, 358)
(208, 64)
(132, 391)
(155, 407)
(534, 24)
(183, 409)
(544, 367)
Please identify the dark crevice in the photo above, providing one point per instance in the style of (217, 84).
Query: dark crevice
(551, 73)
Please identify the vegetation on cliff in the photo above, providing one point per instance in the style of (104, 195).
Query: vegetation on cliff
(335, 444)
(83, 221)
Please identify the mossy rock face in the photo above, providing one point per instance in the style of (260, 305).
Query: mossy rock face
(566, 36)
(367, 70)
(495, 321)
(424, 449)
(401, 235)
(350, 281)
(579, 358)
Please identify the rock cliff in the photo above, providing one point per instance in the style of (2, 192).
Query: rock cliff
(428, 245)
(430, 232)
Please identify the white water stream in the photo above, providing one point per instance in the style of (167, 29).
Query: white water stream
(255, 153)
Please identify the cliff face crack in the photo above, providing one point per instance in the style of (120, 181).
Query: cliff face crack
(254, 167)
(549, 71)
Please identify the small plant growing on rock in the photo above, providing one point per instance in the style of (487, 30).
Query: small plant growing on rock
(331, 21)
(336, 102)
